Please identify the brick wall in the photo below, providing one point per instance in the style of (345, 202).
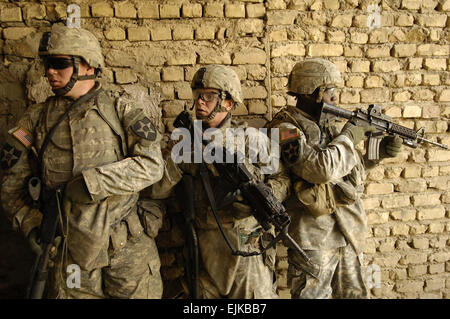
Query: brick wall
(394, 53)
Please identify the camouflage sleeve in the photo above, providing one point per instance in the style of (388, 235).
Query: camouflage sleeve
(143, 165)
(313, 164)
(280, 183)
(15, 162)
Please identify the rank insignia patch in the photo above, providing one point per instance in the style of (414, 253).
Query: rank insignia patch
(9, 156)
(288, 134)
(144, 128)
(289, 152)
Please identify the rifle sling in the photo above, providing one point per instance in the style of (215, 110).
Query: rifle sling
(50, 134)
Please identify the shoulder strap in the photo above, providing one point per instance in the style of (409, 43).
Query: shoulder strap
(47, 139)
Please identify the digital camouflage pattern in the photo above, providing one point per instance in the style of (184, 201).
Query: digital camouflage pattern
(74, 42)
(104, 237)
(324, 157)
(308, 75)
(223, 275)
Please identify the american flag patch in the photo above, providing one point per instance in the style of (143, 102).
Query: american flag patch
(287, 134)
(23, 136)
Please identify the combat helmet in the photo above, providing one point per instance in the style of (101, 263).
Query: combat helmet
(221, 78)
(308, 75)
(77, 43)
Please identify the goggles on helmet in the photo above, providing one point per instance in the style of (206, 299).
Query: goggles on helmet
(207, 96)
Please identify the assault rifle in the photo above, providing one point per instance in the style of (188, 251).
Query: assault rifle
(383, 123)
(49, 206)
(265, 207)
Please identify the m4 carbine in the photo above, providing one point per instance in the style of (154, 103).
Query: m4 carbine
(265, 207)
(383, 123)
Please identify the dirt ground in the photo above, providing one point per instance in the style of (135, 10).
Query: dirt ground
(15, 262)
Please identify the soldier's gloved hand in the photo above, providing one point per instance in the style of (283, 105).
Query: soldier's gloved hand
(77, 192)
(392, 145)
(356, 133)
(241, 210)
(33, 240)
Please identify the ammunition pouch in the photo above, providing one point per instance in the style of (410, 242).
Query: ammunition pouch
(151, 213)
(323, 199)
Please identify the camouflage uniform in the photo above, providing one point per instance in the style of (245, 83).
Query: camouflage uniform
(223, 275)
(324, 166)
(104, 141)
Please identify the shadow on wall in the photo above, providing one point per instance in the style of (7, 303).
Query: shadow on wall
(16, 260)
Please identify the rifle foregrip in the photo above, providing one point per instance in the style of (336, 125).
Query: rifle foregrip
(403, 131)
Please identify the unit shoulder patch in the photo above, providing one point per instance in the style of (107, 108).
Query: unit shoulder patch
(290, 151)
(145, 129)
(9, 156)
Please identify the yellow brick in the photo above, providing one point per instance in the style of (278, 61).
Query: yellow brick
(125, 76)
(16, 33)
(371, 203)
(147, 10)
(254, 92)
(275, 4)
(401, 96)
(404, 50)
(161, 33)
(415, 63)
(434, 20)
(169, 11)
(183, 32)
(173, 73)
(191, 10)
(359, 37)
(214, 10)
(125, 10)
(342, 21)
(234, 10)
(250, 56)
(379, 36)
(444, 96)
(102, 9)
(411, 4)
(336, 36)
(375, 95)
(257, 107)
(404, 215)
(138, 34)
(281, 17)
(34, 11)
(248, 26)
(353, 51)
(355, 81)
(410, 111)
(349, 96)
(431, 79)
(431, 213)
(404, 20)
(10, 14)
(377, 218)
(115, 34)
(373, 81)
(211, 56)
(205, 32)
(423, 95)
(360, 66)
(395, 201)
(291, 49)
(316, 50)
(411, 186)
(256, 10)
(426, 199)
(435, 64)
(386, 66)
(278, 35)
(379, 188)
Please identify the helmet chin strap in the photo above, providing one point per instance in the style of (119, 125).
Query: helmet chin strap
(74, 78)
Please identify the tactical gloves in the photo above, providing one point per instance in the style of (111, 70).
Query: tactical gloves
(36, 245)
(356, 133)
(391, 145)
(77, 192)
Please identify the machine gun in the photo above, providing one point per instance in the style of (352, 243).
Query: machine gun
(265, 207)
(383, 123)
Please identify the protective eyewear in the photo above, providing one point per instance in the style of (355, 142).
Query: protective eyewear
(57, 63)
(207, 97)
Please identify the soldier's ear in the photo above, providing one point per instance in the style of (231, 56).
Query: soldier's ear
(228, 104)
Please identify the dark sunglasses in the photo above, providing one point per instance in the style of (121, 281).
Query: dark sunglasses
(207, 97)
(57, 63)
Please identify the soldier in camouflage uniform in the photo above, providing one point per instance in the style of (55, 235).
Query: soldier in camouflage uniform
(328, 219)
(217, 91)
(101, 155)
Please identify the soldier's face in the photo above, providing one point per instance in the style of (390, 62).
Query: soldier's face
(205, 101)
(58, 70)
(329, 96)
